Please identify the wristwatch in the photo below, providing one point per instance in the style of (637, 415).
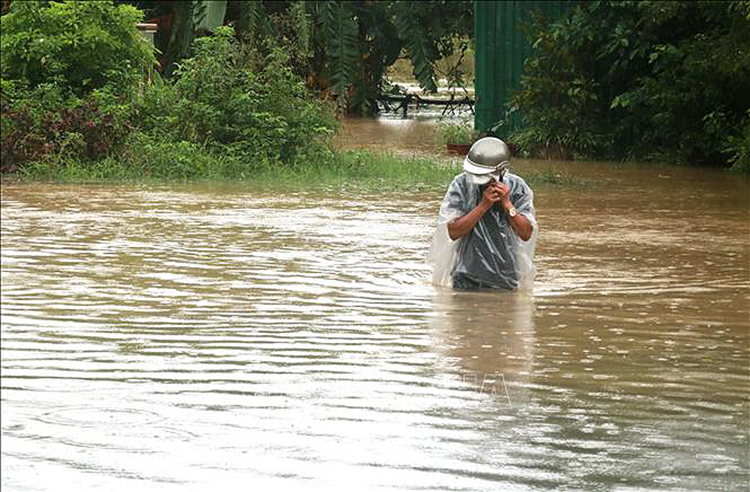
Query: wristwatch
(512, 211)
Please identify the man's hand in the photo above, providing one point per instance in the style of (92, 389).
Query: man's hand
(503, 190)
(501, 194)
(494, 193)
(518, 222)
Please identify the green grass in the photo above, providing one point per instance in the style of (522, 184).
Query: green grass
(360, 169)
(368, 170)
(551, 177)
(352, 169)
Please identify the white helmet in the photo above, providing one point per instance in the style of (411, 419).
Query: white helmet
(488, 158)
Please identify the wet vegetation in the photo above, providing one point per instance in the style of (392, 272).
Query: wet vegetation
(85, 97)
(237, 104)
(655, 81)
(227, 111)
(186, 162)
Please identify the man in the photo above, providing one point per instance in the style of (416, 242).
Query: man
(487, 228)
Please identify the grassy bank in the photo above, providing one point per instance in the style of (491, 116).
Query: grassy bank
(363, 169)
(183, 162)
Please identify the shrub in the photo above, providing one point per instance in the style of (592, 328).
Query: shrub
(739, 148)
(69, 70)
(230, 99)
(459, 133)
(649, 80)
(559, 97)
(49, 123)
(81, 46)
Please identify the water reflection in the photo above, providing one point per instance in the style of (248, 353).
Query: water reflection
(390, 134)
(487, 339)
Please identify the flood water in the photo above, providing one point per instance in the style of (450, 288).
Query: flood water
(184, 337)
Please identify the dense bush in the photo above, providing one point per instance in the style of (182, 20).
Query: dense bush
(227, 110)
(661, 81)
(739, 148)
(455, 133)
(68, 72)
(82, 46)
(47, 122)
(232, 100)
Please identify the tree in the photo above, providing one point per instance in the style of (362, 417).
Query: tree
(660, 81)
(362, 39)
(340, 47)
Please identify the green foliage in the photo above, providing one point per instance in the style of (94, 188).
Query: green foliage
(557, 96)
(738, 146)
(340, 34)
(49, 123)
(226, 98)
(181, 35)
(152, 158)
(188, 20)
(374, 171)
(81, 46)
(147, 159)
(453, 132)
(360, 170)
(68, 72)
(239, 108)
(76, 105)
(341, 48)
(249, 19)
(694, 94)
(355, 42)
(648, 80)
(208, 14)
(417, 44)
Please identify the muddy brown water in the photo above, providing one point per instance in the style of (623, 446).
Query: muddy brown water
(190, 336)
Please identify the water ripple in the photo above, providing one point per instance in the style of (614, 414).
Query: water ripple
(192, 337)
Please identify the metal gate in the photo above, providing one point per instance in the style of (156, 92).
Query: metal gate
(500, 50)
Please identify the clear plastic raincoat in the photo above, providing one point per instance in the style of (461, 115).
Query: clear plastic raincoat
(491, 256)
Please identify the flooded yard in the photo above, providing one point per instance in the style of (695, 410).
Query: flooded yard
(181, 337)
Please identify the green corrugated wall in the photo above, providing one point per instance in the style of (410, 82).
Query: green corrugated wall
(500, 50)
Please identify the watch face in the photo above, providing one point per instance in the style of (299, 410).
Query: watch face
(512, 212)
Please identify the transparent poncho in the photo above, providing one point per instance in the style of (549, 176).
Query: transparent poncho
(491, 255)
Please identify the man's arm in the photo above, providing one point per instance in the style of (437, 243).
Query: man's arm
(520, 224)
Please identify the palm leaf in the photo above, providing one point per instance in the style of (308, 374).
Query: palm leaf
(181, 35)
(208, 14)
(302, 25)
(251, 15)
(342, 50)
(416, 42)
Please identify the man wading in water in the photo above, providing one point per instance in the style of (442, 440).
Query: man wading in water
(487, 230)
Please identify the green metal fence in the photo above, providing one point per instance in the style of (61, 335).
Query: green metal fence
(500, 50)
